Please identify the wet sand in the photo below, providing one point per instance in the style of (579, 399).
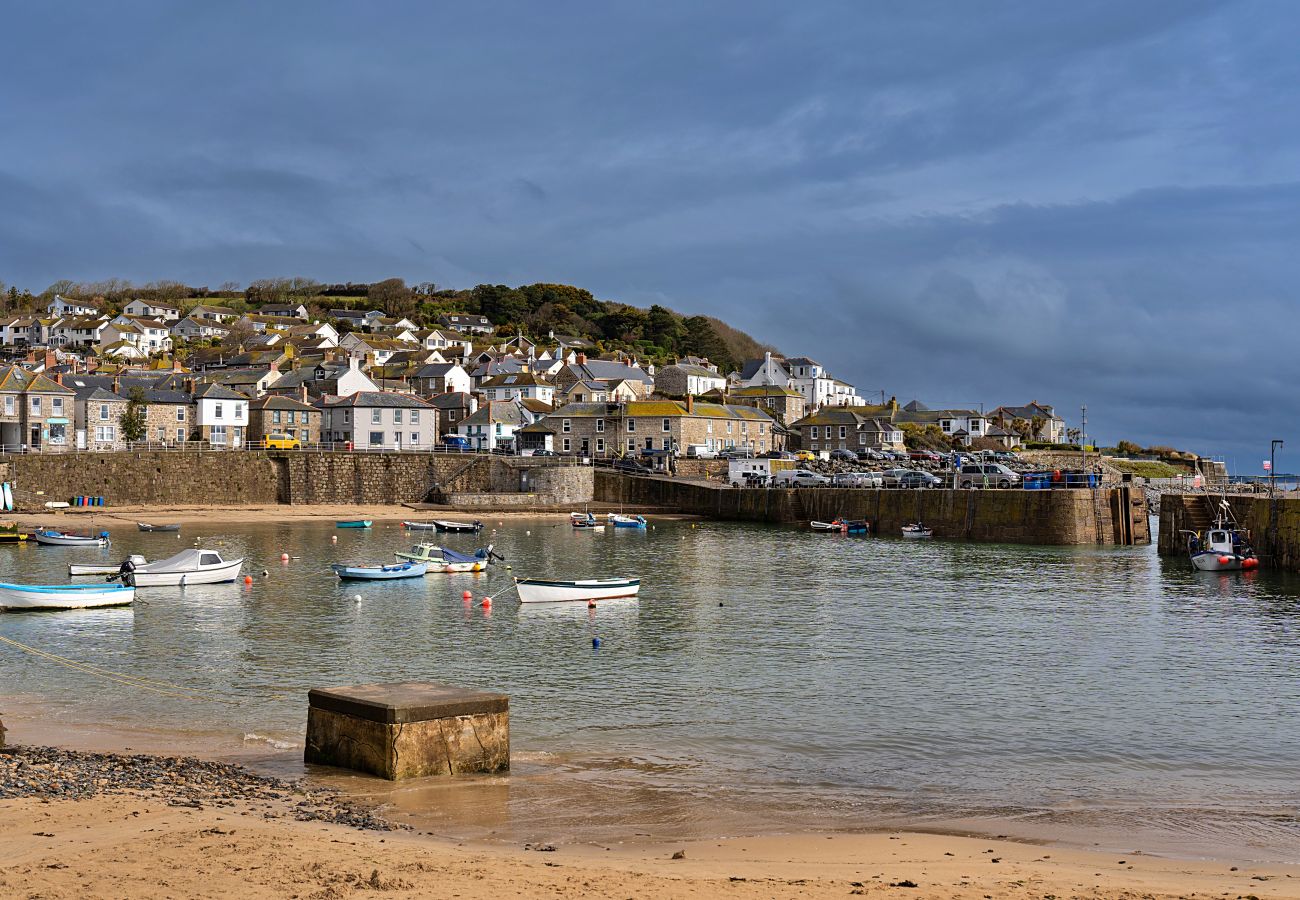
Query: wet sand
(127, 846)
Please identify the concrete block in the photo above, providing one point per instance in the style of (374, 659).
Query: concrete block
(408, 729)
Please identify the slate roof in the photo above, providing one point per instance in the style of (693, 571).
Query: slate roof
(279, 401)
(216, 392)
(378, 398)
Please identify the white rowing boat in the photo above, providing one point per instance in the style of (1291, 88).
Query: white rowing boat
(100, 569)
(64, 596)
(533, 590)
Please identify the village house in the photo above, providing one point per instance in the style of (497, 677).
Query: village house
(467, 324)
(681, 379)
(493, 425)
(36, 412)
(441, 378)
(371, 348)
(609, 372)
(588, 392)
(97, 417)
(192, 328)
(220, 417)
(617, 429)
(273, 414)
(62, 306)
(840, 428)
(1043, 422)
(784, 404)
(219, 314)
(518, 386)
(961, 425)
(168, 415)
(284, 310)
(453, 408)
(153, 309)
(86, 331)
(371, 420)
(356, 318)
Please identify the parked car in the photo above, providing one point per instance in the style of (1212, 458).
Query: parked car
(846, 455)
(916, 479)
(858, 480)
(923, 455)
(892, 477)
(805, 456)
(778, 454)
(799, 478)
(870, 455)
(736, 453)
(543, 452)
(973, 475)
(282, 442)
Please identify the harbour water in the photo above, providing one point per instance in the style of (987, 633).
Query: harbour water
(767, 680)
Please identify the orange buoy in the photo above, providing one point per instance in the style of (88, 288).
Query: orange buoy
(487, 601)
(1224, 560)
(1250, 563)
(248, 579)
(467, 596)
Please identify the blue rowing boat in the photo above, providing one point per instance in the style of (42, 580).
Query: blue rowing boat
(354, 523)
(380, 573)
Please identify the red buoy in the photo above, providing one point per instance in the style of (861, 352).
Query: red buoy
(487, 601)
(248, 579)
(467, 596)
(1224, 560)
(1250, 563)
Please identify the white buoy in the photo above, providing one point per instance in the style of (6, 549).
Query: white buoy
(356, 599)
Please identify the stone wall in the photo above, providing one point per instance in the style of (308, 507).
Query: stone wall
(1274, 526)
(1109, 516)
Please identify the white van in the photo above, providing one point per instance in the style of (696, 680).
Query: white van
(700, 451)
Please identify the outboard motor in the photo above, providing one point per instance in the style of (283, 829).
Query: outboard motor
(126, 571)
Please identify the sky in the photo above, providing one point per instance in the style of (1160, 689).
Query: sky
(1090, 202)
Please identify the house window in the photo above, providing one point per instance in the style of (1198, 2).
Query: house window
(376, 439)
(600, 445)
(56, 405)
(103, 411)
(668, 425)
(631, 445)
(105, 434)
(649, 443)
(217, 435)
(708, 426)
(631, 425)
(36, 406)
(566, 427)
(451, 415)
(946, 424)
(162, 433)
(347, 416)
(843, 431)
(275, 416)
(239, 411)
(415, 417)
(728, 428)
(415, 437)
(862, 439)
(180, 435)
(217, 413)
(397, 417)
(304, 436)
(564, 445)
(376, 416)
(600, 426)
(180, 414)
(9, 406)
(58, 434)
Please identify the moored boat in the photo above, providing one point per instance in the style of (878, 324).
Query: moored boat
(824, 526)
(145, 526)
(189, 567)
(585, 520)
(619, 521)
(10, 533)
(50, 538)
(457, 527)
(917, 530)
(535, 590)
(104, 569)
(444, 560)
(419, 526)
(1224, 547)
(354, 523)
(64, 596)
(380, 573)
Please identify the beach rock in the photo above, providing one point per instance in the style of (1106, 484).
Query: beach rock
(680, 854)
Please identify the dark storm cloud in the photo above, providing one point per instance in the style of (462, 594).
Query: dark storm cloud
(1088, 202)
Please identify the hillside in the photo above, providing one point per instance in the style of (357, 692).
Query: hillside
(657, 334)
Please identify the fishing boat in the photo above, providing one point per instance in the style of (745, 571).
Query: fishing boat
(10, 533)
(50, 538)
(444, 560)
(626, 521)
(458, 527)
(145, 526)
(101, 569)
(825, 526)
(354, 523)
(533, 590)
(917, 530)
(419, 526)
(584, 520)
(380, 573)
(1224, 547)
(192, 566)
(842, 526)
(64, 596)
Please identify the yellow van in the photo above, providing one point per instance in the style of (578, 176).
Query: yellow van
(282, 442)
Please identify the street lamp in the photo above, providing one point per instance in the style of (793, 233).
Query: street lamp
(1272, 465)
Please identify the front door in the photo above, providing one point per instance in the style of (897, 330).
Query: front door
(585, 448)
(36, 438)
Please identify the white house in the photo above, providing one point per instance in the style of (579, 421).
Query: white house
(964, 424)
(62, 306)
(517, 386)
(494, 425)
(468, 324)
(146, 309)
(287, 310)
(683, 379)
(79, 332)
(191, 328)
(221, 416)
(213, 313)
(380, 420)
(369, 347)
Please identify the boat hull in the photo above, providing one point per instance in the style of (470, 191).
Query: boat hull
(458, 527)
(59, 596)
(68, 540)
(359, 523)
(419, 526)
(917, 534)
(380, 573)
(535, 591)
(227, 571)
(1218, 562)
(145, 526)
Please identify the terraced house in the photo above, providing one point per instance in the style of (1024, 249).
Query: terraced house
(844, 428)
(36, 412)
(618, 429)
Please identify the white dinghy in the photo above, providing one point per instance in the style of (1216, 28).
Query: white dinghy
(64, 596)
(193, 566)
(535, 590)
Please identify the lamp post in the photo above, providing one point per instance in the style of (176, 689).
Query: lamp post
(1272, 465)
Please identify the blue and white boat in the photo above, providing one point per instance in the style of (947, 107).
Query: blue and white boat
(380, 573)
(51, 538)
(1224, 547)
(64, 596)
(354, 523)
(626, 521)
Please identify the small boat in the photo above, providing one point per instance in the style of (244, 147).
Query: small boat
(585, 520)
(419, 526)
(193, 566)
(626, 521)
(10, 533)
(145, 526)
(825, 526)
(457, 527)
(917, 531)
(64, 596)
(533, 590)
(354, 523)
(100, 569)
(50, 538)
(441, 559)
(842, 526)
(1224, 547)
(380, 573)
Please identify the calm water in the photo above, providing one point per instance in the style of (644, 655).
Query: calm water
(767, 680)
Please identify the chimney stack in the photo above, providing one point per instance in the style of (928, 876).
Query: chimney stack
(582, 359)
(303, 388)
(117, 384)
(690, 404)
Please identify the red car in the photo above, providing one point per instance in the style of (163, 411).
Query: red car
(927, 455)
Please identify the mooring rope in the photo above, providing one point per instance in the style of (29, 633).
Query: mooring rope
(144, 684)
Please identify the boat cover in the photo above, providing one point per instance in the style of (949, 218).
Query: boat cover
(192, 560)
